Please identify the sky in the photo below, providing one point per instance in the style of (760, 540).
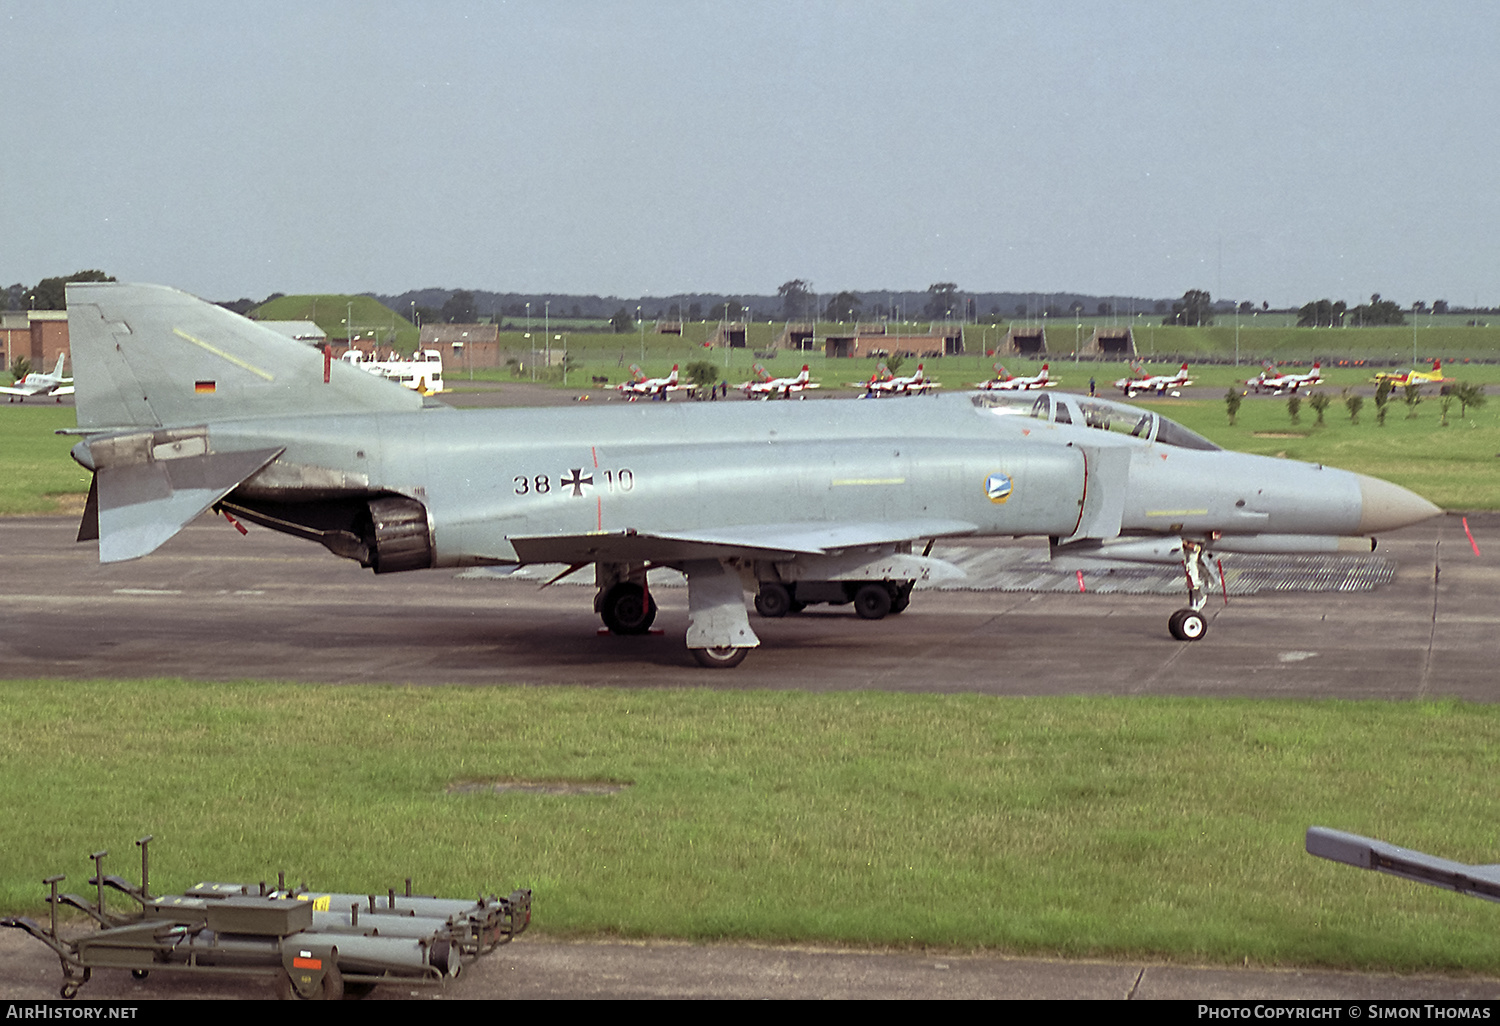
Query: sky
(1276, 152)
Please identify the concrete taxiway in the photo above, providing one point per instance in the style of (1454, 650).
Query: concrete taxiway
(212, 605)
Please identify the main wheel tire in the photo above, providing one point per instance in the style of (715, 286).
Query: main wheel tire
(773, 600)
(628, 609)
(721, 658)
(872, 602)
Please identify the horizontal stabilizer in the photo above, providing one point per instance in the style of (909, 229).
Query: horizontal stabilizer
(148, 486)
(761, 541)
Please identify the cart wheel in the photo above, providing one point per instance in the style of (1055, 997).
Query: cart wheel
(68, 991)
(140, 974)
(330, 988)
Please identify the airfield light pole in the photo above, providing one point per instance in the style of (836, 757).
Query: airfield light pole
(642, 325)
(547, 332)
(530, 342)
(1414, 334)
(1236, 335)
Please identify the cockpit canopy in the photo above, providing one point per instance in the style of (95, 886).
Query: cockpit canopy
(1101, 414)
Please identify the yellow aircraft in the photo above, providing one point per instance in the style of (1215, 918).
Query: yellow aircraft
(1415, 377)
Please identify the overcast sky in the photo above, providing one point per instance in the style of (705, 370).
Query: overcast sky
(1262, 151)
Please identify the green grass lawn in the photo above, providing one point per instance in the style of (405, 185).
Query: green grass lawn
(36, 472)
(1140, 828)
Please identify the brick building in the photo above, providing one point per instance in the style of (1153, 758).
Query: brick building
(38, 335)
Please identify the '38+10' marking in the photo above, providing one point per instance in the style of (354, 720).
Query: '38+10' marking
(575, 481)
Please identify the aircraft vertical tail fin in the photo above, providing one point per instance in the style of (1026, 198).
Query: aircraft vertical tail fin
(147, 356)
(57, 372)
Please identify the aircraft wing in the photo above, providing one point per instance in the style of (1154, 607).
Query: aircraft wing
(18, 391)
(764, 541)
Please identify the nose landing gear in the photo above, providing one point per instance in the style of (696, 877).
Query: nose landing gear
(1189, 624)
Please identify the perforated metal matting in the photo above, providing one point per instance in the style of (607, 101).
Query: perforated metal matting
(1029, 569)
(1004, 569)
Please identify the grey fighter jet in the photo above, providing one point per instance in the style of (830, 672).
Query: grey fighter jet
(184, 406)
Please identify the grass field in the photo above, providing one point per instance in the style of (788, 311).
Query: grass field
(1160, 828)
(36, 473)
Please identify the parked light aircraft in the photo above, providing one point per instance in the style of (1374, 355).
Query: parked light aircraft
(423, 373)
(41, 383)
(1011, 383)
(184, 406)
(883, 383)
(768, 387)
(1161, 384)
(1279, 384)
(640, 385)
(1410, 377)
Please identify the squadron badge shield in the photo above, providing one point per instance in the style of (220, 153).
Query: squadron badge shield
(997, 487)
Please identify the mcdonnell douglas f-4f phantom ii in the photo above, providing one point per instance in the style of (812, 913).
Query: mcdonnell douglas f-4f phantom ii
(184, 406)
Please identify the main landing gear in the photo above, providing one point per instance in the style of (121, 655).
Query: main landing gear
(1189, 624)
(719, 634)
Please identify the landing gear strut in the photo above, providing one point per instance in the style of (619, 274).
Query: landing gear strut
(1189, 624)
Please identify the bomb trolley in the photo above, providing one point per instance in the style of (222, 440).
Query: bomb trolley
(312, 944)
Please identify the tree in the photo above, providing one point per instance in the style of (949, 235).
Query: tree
(1232, 402)
(1382, 399)
(459, 309)
(843, 307)
(20, 367)
(1468, 394)
(622, 321)
(1321, 314)
(729, 310)
(1439, 306)
(1377, 311)
(51, 293)
(942, 298)
(796, 295)
(1294, 407)
(1195, 308)
(702, 373)
(1353, 403)
(1319, 401)
(1411, 395)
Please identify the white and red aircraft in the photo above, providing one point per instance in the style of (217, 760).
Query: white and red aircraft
(1279, 384)
(640, 385)
(882, 383)
(1161, 384)
(42, 383)
(1010, 382)
(769, 388)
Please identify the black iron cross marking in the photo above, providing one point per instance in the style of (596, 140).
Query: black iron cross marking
(577, 481)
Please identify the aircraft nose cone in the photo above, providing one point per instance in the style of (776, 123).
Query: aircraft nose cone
(1385, 507)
